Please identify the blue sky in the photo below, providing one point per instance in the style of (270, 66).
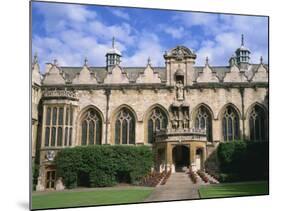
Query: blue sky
(70, 32)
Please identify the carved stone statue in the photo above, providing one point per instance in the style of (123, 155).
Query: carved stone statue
(179, 88)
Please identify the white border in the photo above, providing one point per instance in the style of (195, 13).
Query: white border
(14, 116)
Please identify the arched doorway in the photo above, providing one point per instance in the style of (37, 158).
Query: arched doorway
(181, 157)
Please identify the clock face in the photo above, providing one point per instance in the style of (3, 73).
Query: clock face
(50, 155)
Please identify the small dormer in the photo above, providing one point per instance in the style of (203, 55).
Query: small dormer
(242, 55)
(113, 56)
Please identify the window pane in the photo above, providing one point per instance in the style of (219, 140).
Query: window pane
(157, 124)
(47, 135)
(71, 115)
(59, 136)
(60, 116)
(70, 136)
(84, 132)
(150, 131)
(66, 136)
(48, 116)
(91, 132)
(124, 132)
(132, 132)
(67, 116)
(117, 132)
(54, 122)
(98, 132)
(53, 141)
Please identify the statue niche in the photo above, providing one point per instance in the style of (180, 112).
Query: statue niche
(180, 116)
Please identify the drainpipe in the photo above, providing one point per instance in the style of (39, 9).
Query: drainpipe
(107, 93)
(243, 113)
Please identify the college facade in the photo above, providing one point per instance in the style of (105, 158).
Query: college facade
(182, 111)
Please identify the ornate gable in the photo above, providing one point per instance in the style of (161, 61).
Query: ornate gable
(148, 76)
(207, 76)
(234, 75)
(180, 53)
(84, 77)
(116, 76)
(260, 74)
(53, 76)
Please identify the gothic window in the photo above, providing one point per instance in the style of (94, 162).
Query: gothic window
(203, 120)
(91, 128)
(258, 124)
(230, 124)
(58, 126)
(125, 127)
(157, 121)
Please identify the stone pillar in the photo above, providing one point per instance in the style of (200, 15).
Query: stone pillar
(192, 157)
(59, 185)
(169, 159)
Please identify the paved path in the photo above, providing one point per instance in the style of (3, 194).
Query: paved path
(178, 186)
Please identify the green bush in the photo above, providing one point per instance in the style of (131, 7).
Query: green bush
(243, 160)
(103, 165)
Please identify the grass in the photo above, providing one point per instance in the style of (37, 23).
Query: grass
(89, 197)
(234, 189)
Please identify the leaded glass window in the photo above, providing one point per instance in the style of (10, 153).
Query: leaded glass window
(203, 120)
(230, 124)
(91, 127)
(258, 124)
(125, 127)
(58, 125)
(157, 121)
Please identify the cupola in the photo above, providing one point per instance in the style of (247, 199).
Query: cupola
(242, 55)
(113, 56)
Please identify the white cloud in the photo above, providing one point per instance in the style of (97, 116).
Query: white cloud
(148, 45)
(119, 13)
(174, 32)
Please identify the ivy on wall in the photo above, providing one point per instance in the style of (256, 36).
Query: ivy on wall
(103, 165)
(243, 160)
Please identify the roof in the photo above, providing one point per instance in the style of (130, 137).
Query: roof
(101, 72)
(133, 72)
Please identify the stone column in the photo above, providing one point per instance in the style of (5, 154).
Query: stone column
(192, 157)
(169, 160)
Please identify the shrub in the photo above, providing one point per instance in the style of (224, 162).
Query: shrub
(103, 165)
(243, 160)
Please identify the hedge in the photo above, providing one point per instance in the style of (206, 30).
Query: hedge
(103, 165)
(243, 160)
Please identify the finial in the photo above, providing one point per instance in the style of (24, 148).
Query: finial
(242, 39)
(35, 58)
(55, 62)
(207, 60)
(86, 61)
(113, 42)
(149, 61)
(261, 60)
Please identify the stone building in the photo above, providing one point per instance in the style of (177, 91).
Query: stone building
(182, 111)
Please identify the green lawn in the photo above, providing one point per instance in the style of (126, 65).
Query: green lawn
(87, 197)
(234, 189)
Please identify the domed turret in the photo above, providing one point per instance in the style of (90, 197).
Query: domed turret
(113, 56)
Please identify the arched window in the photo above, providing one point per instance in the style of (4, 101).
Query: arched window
(203, 120)
(230, 124)
(125, 127)
(258, 124)
(157, 121)
(91, 128)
